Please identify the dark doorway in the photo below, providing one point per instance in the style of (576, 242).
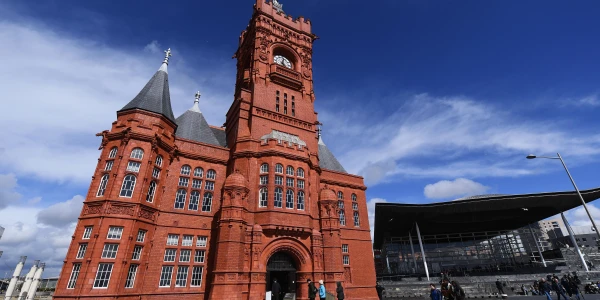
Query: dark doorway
(281, 267)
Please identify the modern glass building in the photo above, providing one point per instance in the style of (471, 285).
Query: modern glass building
(476, 235)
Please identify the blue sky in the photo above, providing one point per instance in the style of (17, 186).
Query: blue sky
(428, 100)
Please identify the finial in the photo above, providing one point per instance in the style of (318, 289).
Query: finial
(319, 131)
(278, 6)
(167, 55)
(197, 95)
(196, 107)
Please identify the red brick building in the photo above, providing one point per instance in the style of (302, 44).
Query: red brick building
(178, 208)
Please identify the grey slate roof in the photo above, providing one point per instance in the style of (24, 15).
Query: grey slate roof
(327, 160)
(192, 125)
(220, 135)
(155, 96)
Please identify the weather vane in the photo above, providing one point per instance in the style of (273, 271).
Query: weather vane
(197, 95)
(278, 6)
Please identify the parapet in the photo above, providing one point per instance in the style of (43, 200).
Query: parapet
(300, 23)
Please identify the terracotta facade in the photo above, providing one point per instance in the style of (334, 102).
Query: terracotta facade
(124, 244)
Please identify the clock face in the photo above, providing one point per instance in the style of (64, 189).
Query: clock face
(281, 60)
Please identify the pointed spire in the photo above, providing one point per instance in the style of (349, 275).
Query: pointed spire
(196, 107)
(326, 159)
(192, 125)
(155, 96)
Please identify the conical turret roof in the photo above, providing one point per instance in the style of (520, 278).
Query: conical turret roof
(155, 96)
(327, 160)
(192, 125)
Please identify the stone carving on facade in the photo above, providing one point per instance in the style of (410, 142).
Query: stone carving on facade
(126, 136)
(103, 134)
(347, 275)
(93, 209)
(116, 209)
(264, 45)
(283, 136)
(146, 214)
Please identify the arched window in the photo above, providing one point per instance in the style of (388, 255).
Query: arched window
(263, 196)
(342, 217)
(289, 171)
(102, 187)
(340, 195)
(289, 199)
(279, 168)
(194, 200)
(137, 153)
(185, 170)
(356, 219)
(211, 174)
(158, 161)
(300, 205)
(354, 197)
(128, 186)
(264, 168)
(113, 152)
(198, 172)
(180, 199)
(278, 196)
(207, 201)
(151, 191)
(300, 172)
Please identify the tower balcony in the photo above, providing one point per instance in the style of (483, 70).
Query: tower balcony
(286, 76)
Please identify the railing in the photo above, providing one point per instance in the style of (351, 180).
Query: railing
(279, 69)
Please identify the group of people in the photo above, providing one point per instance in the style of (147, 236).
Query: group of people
(449, 290)
(313, 291)
(567, 285)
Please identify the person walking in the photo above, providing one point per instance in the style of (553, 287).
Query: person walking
(380, 290)
(457, 291)
(558, 288)
(339, 290)
(312, 290)
(275, 290)
(435, 293)
(322, 291)
(499, 287)
(545, 288)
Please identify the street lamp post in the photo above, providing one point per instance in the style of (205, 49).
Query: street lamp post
(531, 156)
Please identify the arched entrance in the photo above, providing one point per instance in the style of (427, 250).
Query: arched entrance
(281, 266)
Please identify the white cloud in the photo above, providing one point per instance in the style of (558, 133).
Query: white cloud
(8, 195)
(371, 210)
(457, 187)
(591, 100)
(449, 137)
(153, 47)
(578, 216)
(62, 213)
(23, 236)
(63, 90)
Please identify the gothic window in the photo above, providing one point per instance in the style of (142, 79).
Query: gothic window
(300, 173)
(198, 172)
(137, 252)
(278, 180)
(211, 174)
(87, 232)
(151, 190)
(285, 103)
(264, 180)
(289, 171)
(137, 153)
(131, 276)
(289, 199)
(264, 168)
(158, 161)
(181, 279)
(113, 152)
(344, 248)
(196, 276)
(209, 186)
(340, 195)
(165, 276)
(81, 251)
(300, 204)
(293, 107)
(277, 101)
(342, 218)
(141, 236)
(109, 165)
(289, 182)
(102, 187)
(278, 196)
(156, 172)
(263, 196)
(346, 260)
(207, 202)
(184, 181)
(279, 168)
(353, 197)
(356, 219)
(196, 184)
(128, 186)
(74, 275)
(194, 200)
(341, 204)
(180, 199)
(300, 184)
(185, 170)
(354, 206)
